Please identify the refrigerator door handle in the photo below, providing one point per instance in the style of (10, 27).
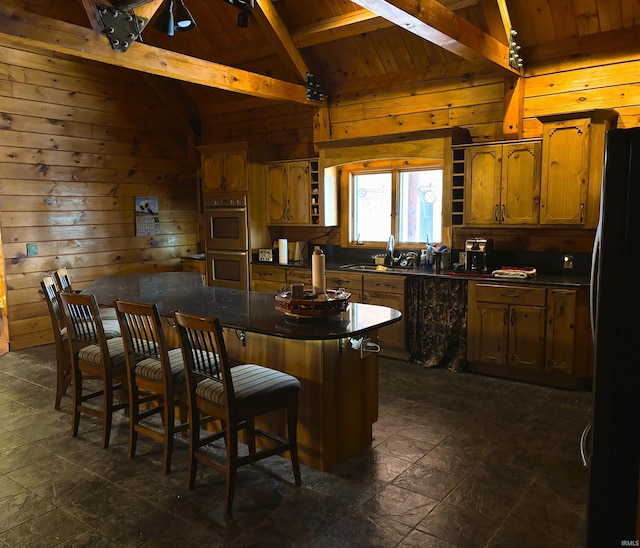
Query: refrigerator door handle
(584, 442)
(595, 258)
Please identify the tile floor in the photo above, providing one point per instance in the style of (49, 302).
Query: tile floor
(457, 460)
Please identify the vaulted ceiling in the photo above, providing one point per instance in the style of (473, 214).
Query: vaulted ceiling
(345, 44)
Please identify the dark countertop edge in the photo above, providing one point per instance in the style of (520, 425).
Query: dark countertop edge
(542, 279)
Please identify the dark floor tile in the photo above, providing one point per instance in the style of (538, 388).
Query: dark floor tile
(21, 508)
(46, 530)
(399, 504)
(420, 539)
(459, 526)
(405, 448)
(432, 482)
(365, 530)
(548, 513)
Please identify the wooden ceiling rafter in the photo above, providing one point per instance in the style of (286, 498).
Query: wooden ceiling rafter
(19, 27)
(439, 25)
(273, 26)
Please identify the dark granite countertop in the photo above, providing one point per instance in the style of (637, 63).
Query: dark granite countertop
(540, 279)
(237, 309)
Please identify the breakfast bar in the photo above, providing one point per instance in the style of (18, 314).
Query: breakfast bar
(333, 357)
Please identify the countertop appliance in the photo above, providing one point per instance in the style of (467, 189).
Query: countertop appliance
(613, 450)
(476, 254)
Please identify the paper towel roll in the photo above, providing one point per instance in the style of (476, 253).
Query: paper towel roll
(318, 279)
(283, 251)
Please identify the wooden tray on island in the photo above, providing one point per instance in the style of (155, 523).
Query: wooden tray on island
(313, 306)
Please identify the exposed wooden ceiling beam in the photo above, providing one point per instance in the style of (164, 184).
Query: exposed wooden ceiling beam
(432, 21)
(22, 28)
(274, 28)
(336, 28)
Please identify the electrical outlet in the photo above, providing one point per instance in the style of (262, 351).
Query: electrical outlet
(32, 250)
(568, 261)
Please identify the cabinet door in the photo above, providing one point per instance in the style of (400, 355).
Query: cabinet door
(520, 186)
(561, 321)
(387, 291)
(213, 170)
(526, 337)
(276, 189)
(225, 171)
(236, 174)
(298, 193)
(565, 172)
(482, 185)
(488, 333)
(391, 336)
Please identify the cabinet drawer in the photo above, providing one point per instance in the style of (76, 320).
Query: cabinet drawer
(382, 283)
(268, 273)
(299, 275)
(193, 266)
(510, 294)
(351, 282)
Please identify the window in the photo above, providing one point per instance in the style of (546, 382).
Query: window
(404, 201)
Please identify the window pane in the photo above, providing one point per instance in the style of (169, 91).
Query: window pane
(371, 207)
(420, 212)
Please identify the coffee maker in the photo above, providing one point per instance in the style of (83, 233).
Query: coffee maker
(476, 251)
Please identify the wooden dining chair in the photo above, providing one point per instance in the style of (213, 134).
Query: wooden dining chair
(63, 364)
(236, 396)
(155, 374)
(93, 356)
(63, 283)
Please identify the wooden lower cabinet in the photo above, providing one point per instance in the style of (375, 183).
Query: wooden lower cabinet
(268, 279)
(350, 282)
(530, 333)
(388, 291)
(195, 265)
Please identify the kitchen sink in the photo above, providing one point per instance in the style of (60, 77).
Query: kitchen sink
(371, 267)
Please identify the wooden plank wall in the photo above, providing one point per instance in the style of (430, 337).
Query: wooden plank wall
(78, 142)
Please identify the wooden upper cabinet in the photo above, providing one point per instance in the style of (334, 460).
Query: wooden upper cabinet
(520, 184)
(573, 160)
(288, 193)
(225, 171)
(483, 172)
(502, 183)
(565, 175)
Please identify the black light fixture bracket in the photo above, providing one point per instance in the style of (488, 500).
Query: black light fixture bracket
(121, 27)
(314, 93)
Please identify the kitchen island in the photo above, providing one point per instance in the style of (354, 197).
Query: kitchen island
(339, 384)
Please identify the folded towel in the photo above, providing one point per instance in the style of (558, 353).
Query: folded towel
(515, 272)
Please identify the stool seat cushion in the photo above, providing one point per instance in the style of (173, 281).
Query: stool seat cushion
(91, 353)
(151, 368)
(249, 382)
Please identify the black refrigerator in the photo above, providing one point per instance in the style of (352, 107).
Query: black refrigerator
(613, 449)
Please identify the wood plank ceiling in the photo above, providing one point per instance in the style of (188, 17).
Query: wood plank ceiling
(346, 45)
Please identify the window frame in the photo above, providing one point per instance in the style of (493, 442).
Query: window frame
(395, 166)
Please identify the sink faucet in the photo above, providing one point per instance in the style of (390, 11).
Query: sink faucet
(390, 247)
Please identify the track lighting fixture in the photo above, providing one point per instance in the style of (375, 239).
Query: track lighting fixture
(182, 21)
(165, 21)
